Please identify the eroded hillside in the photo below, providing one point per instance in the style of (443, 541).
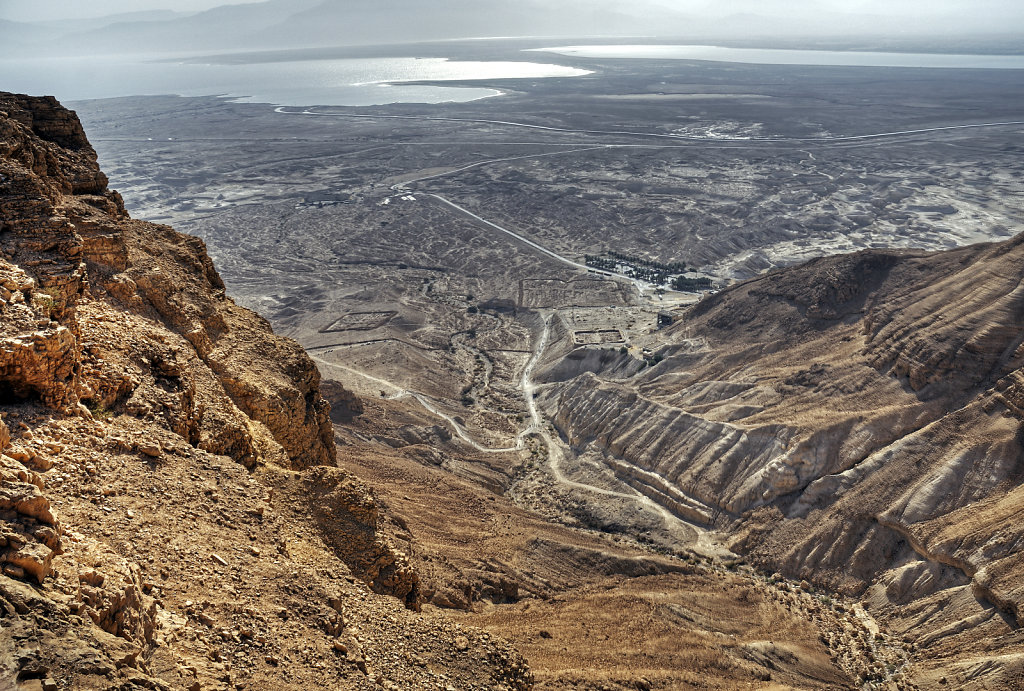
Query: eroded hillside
(854, 421)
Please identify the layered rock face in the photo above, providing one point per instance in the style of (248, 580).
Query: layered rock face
(74, 240)
(154, 437)
(105, 313)
(855, 421)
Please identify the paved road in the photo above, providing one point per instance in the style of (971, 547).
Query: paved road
(660, 135)
(398, 187)
(401, 187)
(540, 248)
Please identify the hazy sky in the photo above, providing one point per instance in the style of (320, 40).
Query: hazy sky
(32, 10)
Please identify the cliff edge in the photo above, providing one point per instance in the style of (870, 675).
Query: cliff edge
(171, 515)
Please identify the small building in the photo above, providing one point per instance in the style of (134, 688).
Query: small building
(665, 319)
(322, 198)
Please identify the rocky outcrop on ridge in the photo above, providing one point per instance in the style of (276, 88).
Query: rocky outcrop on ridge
(170, 513)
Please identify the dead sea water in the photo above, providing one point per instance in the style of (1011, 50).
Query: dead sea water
(347, 81)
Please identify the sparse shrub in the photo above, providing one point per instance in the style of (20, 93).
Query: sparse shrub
(98, 410)
(46, 300)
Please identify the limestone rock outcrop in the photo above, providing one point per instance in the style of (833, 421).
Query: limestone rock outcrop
(151, 431)
(351, 522)
(67, 240)
(30, 535)
(344, 404)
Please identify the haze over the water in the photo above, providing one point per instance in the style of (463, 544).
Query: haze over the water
(998, 15)
(109, 48)
(72, 26)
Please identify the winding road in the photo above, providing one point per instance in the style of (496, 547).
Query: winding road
(685, 533)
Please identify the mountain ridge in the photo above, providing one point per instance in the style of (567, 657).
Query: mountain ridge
(854, 421)
(322, 23)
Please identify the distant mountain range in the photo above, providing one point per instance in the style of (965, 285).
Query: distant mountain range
(276, 24)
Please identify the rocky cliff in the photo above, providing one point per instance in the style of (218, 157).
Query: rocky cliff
(855, 421)
(170, 513)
